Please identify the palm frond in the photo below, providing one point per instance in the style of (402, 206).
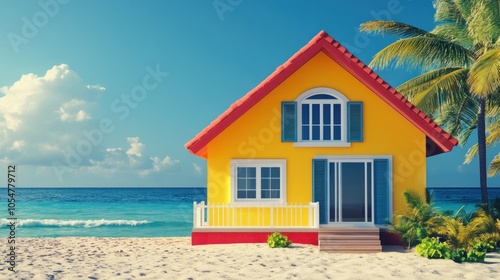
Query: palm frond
(493, 137)
(494, 166)
(445, 88)
(449, 11)
(413, 199)
(454, 33)
(483, 23)
(459, 118)
(484, 76)
(493, 105)
(483, 222)
(423, 81)
(422, 52)
(385, 27)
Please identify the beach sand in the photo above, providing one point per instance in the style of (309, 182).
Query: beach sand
(175, 258)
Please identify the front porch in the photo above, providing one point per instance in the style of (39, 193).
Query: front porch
(252, 223)
(227, 224)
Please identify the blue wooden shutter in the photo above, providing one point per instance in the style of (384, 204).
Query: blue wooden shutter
(289, 122)
(382, 192)
(355, 121)
(319, 187)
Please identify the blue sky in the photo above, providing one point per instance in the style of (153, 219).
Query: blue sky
(106, 93)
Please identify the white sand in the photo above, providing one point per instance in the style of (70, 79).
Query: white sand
(175, 258)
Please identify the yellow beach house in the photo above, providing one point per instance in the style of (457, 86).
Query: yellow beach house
(323, 147)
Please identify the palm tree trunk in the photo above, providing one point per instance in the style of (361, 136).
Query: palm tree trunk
(481, 142)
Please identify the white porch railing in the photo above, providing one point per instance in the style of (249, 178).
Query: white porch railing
(238, 216)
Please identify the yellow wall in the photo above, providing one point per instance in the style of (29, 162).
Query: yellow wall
(257, 134)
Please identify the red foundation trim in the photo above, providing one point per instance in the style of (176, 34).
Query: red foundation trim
(204, 238)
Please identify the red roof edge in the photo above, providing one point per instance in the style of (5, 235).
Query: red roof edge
(438, 140)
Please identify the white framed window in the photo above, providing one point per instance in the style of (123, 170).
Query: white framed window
(322, 118)
(258, 180)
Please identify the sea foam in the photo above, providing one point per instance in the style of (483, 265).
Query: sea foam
(72, 223)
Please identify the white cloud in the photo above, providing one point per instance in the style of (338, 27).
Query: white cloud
(136, 147)
(42, 115)
(72, 111)
(160, 164)
(96, 87)
(197, 168)
(17, 145)
(133, 160)
(46, 120)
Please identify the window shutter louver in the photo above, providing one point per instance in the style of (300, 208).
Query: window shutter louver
(319, 187)
(289, 122)
(382, 192)
(355, 121)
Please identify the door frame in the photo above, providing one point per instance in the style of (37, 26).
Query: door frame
(359, 158)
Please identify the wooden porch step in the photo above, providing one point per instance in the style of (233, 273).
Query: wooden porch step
(349, 237)
(349, 240)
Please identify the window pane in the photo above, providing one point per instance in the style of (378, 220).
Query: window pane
(265, 183)
(242, 194)
(265, 172)
(251, 184)
(315, 113)
(315, 132)
(305, 113)
(265, 194)
(275, 194)
(251, 172)
(275, 172)
(327, 132)
(353, 191)
(336, 133)
(242, 184)
(327, 114)
(251, 194)
(336, 114)
(242, 172)
(275, 184)
(305, 132)
(321, 96)
(369, 191)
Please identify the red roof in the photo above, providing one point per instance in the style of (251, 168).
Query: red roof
(438, 140)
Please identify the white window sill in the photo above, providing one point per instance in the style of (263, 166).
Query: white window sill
(321, 144)
(257, 203)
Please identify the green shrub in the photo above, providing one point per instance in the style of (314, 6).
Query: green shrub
(433, 249)
(421, 220)
(488, 245)
(459, 255)
(277, 240)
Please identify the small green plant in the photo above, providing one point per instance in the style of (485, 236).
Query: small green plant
(488, 245)
(459, 256)
(476, 256)
(431, 248)
(278, 240)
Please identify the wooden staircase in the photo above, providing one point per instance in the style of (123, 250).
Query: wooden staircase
(349, 240)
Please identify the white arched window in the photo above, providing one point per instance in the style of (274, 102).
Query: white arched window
(322, 117)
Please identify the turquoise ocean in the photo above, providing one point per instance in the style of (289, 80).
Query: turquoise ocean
(137, 212)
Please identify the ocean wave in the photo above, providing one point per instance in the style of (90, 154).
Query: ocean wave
(72, 223)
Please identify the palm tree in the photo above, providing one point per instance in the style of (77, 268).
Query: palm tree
(460, 86)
